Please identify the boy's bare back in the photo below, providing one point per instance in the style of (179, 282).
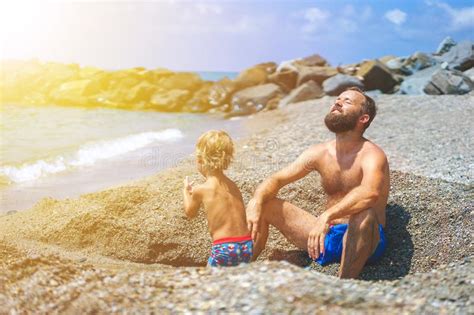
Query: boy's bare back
(224, 207)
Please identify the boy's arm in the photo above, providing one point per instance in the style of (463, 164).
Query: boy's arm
(192, 199)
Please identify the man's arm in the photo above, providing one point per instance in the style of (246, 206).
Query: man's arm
(365, 195)
(302, 166)
(267, 190)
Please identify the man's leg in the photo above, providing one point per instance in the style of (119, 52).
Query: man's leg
(293, 222)
(361, 239)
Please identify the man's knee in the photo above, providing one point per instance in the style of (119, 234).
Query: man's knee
(364, 220)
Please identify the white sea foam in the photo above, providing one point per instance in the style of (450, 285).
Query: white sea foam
(88, 154)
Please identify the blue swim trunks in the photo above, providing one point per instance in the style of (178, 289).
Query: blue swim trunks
(231, 251)
(333, 245)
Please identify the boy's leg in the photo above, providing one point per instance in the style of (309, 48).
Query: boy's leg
(293, 222)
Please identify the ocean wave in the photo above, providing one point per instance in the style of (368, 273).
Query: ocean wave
(87, 154)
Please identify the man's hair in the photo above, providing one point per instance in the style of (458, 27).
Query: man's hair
(368, 106)
(215, 150)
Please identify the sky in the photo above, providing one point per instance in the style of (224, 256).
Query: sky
(225, 35)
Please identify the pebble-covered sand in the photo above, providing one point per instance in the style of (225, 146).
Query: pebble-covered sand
(130, 249)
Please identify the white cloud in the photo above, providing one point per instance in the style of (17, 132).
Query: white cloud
(460, 18)
(315, 19)
(396, 16)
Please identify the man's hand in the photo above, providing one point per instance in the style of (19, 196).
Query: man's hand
(317, 236)
(254, 212)
(188, 186)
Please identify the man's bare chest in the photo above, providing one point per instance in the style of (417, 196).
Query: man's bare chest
(340, 177)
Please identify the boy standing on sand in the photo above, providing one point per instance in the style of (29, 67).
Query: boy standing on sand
(222, 200)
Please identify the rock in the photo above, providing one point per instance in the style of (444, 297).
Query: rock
(288, 65)
(470, 74)
(446, 44)
(254, 99)
(221, 92)
(273, 103)
(307, 91)
(141, 92)
(448, 82)
(416, 83)
(255, 75)
(338, 83)
(436, 80)
(416, 62)
(181, 81)
(312, 61)
(286, 79)
(460, 57)
(317, 74)
(377, 76)
(386, 59)
(75, 92)
(396, 65)
(171, 101)
(199, 102)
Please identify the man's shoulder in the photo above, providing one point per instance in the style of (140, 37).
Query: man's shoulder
(373, 151)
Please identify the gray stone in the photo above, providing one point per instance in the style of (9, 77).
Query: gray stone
(416, 83)
(338, 83)
(446, 44)
(307, 91)
(254, 99)
(470, 74)
(461, 56)
(436, 81)
(448, 82)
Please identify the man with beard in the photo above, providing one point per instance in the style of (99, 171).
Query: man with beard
(355, 176)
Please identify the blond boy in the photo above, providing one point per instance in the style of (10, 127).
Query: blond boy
(222, 200)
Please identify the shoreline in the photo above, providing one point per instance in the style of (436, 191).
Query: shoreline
(141, 224)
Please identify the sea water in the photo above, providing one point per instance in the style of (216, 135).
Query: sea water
(62, 152)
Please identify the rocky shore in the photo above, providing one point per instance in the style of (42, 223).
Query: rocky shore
(130, 248)
(265, 86)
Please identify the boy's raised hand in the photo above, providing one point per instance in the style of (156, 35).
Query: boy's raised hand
(188, 186)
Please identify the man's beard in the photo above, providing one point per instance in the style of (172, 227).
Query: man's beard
(341, 122)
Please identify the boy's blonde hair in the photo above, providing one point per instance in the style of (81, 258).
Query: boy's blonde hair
(215, 150)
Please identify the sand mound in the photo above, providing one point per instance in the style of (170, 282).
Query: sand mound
(428, 225)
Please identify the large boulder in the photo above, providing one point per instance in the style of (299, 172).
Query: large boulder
(416, 83)
(169, 101)
(75, 92)
(436, 81)
(220, 93)
(286, 79)
(460, 57)
(448, 82)
(141, 92)
(182, 81)
(416, 62)
(470, 74)
(255, 75)
(340, 82)
(377, 76)
(254, 99)
(199, 101)
(316, 74)
(307, 91)
(312, 61)
(446, 44)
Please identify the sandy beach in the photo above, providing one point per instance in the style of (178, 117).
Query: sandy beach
(131, 247)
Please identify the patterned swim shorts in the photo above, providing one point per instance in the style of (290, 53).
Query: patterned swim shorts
(231, 251)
